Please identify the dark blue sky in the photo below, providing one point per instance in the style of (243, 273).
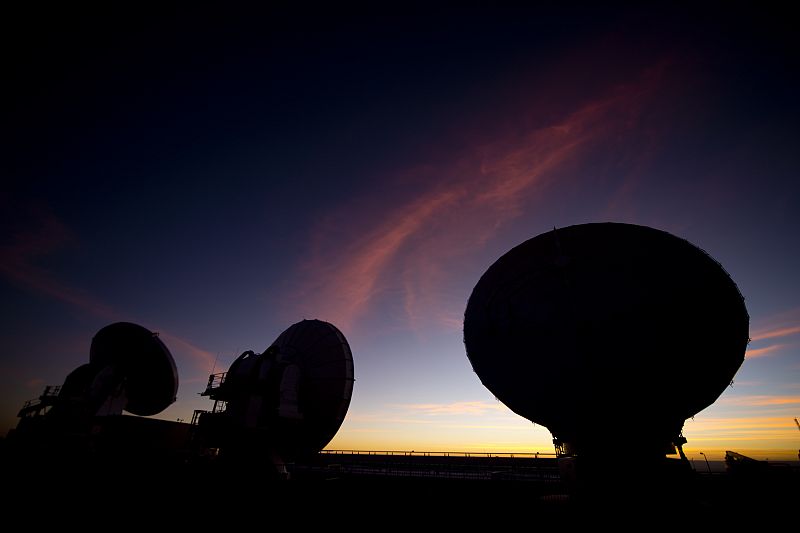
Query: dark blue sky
(217, 176)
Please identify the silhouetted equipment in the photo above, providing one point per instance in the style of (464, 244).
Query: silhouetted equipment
(129, 369)
(736, 462)
(288, 401)
(142, 361)
(607, 333)
(762, 473)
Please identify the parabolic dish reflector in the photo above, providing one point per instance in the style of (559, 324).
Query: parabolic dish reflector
(326, 369)
(594, 326)
(142, 360)
(293, 397)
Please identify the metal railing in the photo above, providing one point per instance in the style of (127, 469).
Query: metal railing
(525, 466)
(214, 382)
(414, 453)
(31, 403)
(51, 390)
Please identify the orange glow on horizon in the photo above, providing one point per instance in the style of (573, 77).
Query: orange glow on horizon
(490, 427)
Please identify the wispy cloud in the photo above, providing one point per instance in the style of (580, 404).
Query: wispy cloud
(203, 359)
(46, 236)
(777, 432)
(456, 426)
(767, 331)
(780, 325)
(417, 241)
(743, 425)
(760, 400)
(34, 383)
(455, 408)
(761, 352)
(776, 333)
(356, 276)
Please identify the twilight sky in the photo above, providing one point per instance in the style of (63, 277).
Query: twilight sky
(217, 177)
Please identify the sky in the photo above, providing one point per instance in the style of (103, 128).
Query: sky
(217, 176)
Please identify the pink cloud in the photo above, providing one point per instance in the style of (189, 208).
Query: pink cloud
(784, 324)
(779, 326)
(761, 400)
(34, 383)
(356, 278)
(775, 333)
(406, 249)
(761, 352)
(203, 359)
(46, 236)
(454, 408)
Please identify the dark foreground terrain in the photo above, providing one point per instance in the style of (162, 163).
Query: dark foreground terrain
(381, 493)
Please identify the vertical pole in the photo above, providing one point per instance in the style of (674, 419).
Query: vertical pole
(707, 465)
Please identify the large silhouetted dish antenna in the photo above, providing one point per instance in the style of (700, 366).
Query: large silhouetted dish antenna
(606, 333)
(138, 357)
(129, 369)
(287, 401)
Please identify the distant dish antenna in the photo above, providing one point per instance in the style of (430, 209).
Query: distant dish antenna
(129, 369)
(607, 333)
(288, 401)
(137, 361)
